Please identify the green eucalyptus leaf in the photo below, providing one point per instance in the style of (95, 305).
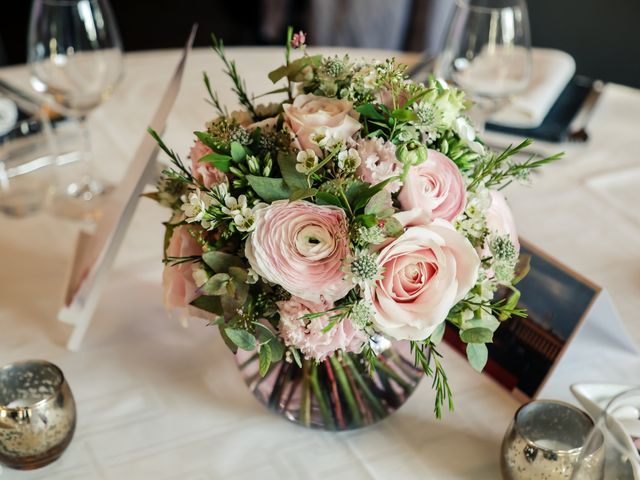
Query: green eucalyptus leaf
(220, 262)
(216, 285)
(476, 335)
(227, 341)
(477, 354)
(293, 178)
(438, 333)
(241, 338)
(483, 321)
(238, 274)
(302, 194)
(265, 359)
(218, 160)
(238, 153)
(326, 198)
(277, 350)
(269, 189)
(208, 303)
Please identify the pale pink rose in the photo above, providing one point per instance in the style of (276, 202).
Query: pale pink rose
(307, 335)
(301, 247)
(500, 219)
(204, 172)
(177, 280)
(378, 162)
(310, 114)
(436, 186)
(427, 270)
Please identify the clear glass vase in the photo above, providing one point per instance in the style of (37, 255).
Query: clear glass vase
(337, 393)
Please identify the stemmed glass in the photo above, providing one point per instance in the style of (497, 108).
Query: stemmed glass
(487, 53)
(617, 434)
(75, 54)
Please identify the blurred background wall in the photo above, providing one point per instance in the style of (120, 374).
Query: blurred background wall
(603, 36)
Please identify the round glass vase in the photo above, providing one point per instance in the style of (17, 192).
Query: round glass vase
(338, 393)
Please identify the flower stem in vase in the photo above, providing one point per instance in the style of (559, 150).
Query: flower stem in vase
(334, 395)
(371, 398)
(276, 393)
(366, 412)
(305, 407)
(397, 378)
(320, 398)
(346, 389)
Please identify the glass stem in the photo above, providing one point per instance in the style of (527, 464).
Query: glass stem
(87, 151)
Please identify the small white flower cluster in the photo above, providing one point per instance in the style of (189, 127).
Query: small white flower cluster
(306, 161)
(196, 207)
(472, 222)
(349, 160)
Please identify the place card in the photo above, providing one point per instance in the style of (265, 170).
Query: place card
(95, 252)
(572, 334)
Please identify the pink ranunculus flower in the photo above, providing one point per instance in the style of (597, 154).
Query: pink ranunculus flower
(427, 270)
(204, 172)
(301, 247)
(436, 186)
(378, 163)
(307, 335)
(500, 219)
(310, 114)
(179, 287)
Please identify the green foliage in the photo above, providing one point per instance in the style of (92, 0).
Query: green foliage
(477, 354)
(269, 189)
(425, 354)
(241, 338)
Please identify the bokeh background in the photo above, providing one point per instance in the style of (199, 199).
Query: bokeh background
(602, 35)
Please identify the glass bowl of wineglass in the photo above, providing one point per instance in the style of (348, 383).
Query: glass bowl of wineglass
(76, 60)
(487, 53)
(617, 432)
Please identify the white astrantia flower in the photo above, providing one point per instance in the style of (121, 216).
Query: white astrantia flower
(349, 160)
(429, 119)
(467, 134)
(362, 268)
(195, 207)
(306, 161)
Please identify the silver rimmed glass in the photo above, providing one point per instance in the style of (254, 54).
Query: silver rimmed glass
(37, 414)
(75, 55)
(545, 441)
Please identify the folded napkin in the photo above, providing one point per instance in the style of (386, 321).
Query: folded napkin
(551, 71)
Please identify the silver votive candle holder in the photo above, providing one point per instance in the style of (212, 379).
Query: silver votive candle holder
(545, 440)
(37, 414)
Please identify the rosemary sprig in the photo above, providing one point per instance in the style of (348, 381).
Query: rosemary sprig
(495, 170)
(240, 87)
(425, 353)
(215, 100)
(173, 156)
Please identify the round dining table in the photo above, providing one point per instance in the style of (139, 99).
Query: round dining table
(160, 400)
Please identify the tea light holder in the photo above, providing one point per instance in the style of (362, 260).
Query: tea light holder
(545, 440)
(37, 414)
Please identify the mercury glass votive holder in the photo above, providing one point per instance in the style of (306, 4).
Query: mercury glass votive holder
(37, 414)
(545, 440)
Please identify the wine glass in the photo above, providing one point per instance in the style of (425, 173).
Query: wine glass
(487, 53)
(617, 434)
(75, 54)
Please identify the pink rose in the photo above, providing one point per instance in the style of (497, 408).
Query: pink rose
(204, 172)
(378, 162)
(427, 270)
(500, 219)
(307, 335)
(301, 247)
(436, 186)
(310, 114)
(177, 280)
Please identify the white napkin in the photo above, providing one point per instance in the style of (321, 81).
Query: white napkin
(551, 71)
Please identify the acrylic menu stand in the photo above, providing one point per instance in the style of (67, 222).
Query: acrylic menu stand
(95, 252)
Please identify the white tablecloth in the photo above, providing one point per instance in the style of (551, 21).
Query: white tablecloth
(163, 402)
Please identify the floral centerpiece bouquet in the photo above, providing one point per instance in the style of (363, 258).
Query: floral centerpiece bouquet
(331, 236)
